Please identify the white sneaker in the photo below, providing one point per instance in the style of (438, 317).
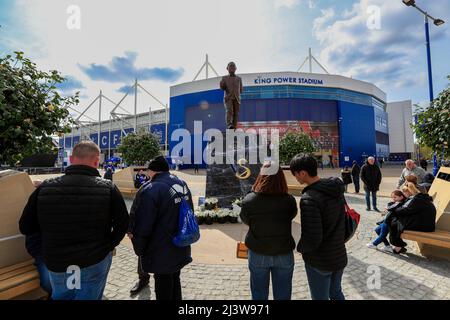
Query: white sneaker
(386, 249)
(371, 246)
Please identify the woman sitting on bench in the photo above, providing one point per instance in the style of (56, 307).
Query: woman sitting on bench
(417, 214)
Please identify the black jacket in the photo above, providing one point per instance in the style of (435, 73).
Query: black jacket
(154, 223)
(108, 174)
(346, 176)
(418, 214)
(356, 170)
(371, 176)
(424, 164)
(269, 218)
(80, 216)
(322, 213)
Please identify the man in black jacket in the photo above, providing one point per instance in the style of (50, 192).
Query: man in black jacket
(81, 218)
(323, 230)
(154, 223)
(371, 177)
(356, 170)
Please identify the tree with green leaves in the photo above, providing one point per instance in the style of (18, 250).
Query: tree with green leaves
(138, 148)
(432, 128)
(31, 109)
(293, 143)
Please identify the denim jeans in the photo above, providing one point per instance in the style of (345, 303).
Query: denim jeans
(324, 285)
(92, 282)
(374, 198)
(382, 231)
(356, 183)
(281, 267)
(44, 277)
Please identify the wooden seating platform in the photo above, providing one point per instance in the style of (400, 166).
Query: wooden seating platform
(438, 238)
(128, 192)
(20, 281)
(295, 189)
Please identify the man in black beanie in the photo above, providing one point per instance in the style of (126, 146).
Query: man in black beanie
(153, 224)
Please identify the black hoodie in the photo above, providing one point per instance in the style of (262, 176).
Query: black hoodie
(322, 242)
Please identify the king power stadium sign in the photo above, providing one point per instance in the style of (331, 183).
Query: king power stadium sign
(284, 80)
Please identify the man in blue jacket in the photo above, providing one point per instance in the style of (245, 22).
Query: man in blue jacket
(154, 223)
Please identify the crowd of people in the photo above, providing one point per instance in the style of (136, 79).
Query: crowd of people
(75, 221)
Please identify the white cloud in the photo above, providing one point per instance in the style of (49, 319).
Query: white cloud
(386, 56)
(175, 34)
(287, 3)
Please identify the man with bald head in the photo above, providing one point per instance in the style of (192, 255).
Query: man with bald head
(81, 218)
(411, 169)
(371, 177)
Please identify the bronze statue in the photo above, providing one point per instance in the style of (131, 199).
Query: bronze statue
(232, 87)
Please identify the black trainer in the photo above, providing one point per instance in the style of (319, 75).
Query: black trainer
(402, 250)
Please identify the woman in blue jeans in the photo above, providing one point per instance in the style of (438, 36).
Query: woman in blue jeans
(268, 211)
(382, 230)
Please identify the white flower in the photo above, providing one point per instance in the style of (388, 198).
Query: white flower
(200, 213)
(211, 200)
(210, 213)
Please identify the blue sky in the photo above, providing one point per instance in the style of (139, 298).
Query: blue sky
(163, 42)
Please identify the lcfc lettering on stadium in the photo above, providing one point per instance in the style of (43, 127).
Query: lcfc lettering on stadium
(278, 80)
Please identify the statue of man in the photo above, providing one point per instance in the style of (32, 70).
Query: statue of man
(232, 87)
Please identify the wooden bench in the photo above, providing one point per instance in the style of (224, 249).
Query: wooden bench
(295, 189)
(438, 238)
(128, 192)
(20, 281)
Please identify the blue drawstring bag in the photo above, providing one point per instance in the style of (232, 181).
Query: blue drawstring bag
(188, 230)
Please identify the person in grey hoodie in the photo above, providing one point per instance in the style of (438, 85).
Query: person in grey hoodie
(411, 169)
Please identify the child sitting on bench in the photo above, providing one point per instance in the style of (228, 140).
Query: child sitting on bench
(398, 199)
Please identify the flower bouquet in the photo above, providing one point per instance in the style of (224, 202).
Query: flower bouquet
(222, 215)
(209, 216)
(211, 203)
(233, 216)
(200, 216)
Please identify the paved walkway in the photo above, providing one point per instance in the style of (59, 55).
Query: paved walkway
(370, 274)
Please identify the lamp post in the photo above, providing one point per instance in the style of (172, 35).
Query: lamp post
(437, 22)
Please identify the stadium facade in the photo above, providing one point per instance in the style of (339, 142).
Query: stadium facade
(346, 118)
(108, 134)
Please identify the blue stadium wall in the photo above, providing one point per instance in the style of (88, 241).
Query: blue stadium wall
(361, 120)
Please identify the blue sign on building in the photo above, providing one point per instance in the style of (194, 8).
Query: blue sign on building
(112, 139)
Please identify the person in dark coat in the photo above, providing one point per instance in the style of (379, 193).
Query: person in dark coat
(424, 164)
(108, 174)
(322, 242)
(356, 170)
(81, 218)
(153, 224)
(426, 182)
(382, 230)
(371, 177)
(140, 178)
(268, 211)
(346, 175)
(33, 244)
(417, 214)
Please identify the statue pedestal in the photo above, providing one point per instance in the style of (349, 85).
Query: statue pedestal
(233, 174)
